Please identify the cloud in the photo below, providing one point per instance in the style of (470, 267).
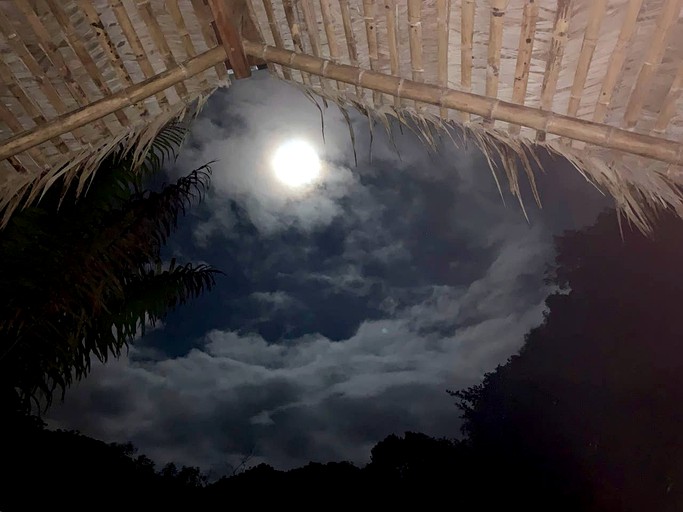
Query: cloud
(344, 313)
(312, 398)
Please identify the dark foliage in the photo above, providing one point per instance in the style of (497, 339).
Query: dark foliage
(82, 275)
(592, 402)
(586, 417)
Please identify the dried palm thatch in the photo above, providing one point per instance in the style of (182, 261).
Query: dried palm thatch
(59, 56)
(596, 81)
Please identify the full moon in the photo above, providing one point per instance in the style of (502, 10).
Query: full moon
(296, 163)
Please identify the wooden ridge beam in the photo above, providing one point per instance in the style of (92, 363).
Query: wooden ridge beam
(228, 17)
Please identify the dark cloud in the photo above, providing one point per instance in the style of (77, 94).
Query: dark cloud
(345, 311)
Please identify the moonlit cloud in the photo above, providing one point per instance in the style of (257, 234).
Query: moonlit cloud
(345, 312)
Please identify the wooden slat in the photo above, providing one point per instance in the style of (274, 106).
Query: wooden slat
(542, 120)
(415, 27)
(392, 36)
(157, 35)
(228, 30)
(83, 55)
(668, 109)
(466, 42)
(108, 105)
(174, 10)
(7, 117)
(44, 39)
(555, 56)
(617, 60)
(443, 10)
(666, 23)
(371, 33)
(527, 37)
(203, 14)
(106, 44)
(134, 41)
(26, 102)
(590, 41)
(275, 31)
(498, 8)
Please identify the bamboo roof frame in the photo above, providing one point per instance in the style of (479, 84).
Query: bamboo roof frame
(576, 73)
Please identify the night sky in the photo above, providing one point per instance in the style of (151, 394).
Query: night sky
(345, 311)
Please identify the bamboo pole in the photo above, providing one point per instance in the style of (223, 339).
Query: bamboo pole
(496, 24)
(415, 26)
(205, 19)
(668, 109)
(295, 32)
(112, 103)
(543, 120)
(555, 56)
(443, 11)
(667, 20)
(617, 60)
(392, 35)
(311, 26)
(466, 42)
(275, 31)
(590, 41)
(330, 33)
(527, 36)
(350, 37)
(371, 33)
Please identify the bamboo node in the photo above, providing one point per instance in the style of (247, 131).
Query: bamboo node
(359, 78)
(399, 89)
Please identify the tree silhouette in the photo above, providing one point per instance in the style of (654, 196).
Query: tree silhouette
(83, 274)
(591, 405)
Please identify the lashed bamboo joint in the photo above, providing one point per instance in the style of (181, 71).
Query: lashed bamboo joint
(597, 81)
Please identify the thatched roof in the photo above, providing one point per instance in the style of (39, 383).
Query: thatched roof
(598, 81)
(59, 56)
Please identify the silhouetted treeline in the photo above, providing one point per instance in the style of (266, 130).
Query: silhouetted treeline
(586, 417)
(593, 400)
